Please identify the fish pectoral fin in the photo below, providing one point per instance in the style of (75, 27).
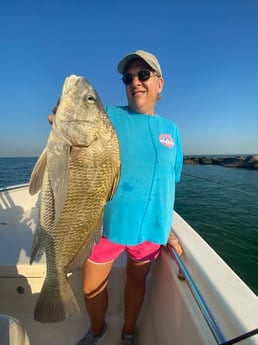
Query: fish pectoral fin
(37, 245)
(58, 175)
(115, 184)
(79, 260)
(38, 173)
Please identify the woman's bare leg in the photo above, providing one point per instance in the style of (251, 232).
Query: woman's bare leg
(95, 282)
(134, 292)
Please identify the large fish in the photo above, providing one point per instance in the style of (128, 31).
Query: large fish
(77, 173)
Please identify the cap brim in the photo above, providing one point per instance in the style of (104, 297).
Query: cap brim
(125, 61)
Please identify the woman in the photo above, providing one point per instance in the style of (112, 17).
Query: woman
(138, 219)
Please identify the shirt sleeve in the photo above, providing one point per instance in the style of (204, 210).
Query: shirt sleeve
(179, 158)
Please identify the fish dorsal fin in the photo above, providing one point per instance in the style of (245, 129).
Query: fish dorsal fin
(37, 174)
(85, 251)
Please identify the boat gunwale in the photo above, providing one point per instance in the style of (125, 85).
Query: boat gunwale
(9, 188)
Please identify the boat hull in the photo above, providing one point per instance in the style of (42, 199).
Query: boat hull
(170, 314)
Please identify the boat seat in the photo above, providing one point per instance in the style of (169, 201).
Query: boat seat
(12, 331)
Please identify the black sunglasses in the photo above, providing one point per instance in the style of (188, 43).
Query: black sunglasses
(142, 75)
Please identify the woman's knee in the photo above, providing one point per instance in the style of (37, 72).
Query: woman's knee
(137, 271)
(93, 288)
(95, 278)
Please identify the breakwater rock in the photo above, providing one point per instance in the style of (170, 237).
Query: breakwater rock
(248, 162)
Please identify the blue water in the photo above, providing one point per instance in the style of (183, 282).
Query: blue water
(220, 203)
(15, 170)
(222, 206)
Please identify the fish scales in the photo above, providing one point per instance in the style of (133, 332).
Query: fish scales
(81, 165)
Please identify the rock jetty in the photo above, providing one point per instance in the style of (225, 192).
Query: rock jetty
(247, 162)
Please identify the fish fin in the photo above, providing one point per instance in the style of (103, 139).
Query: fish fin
(56, 303)
(37, 245)
(115, 183)
(58, 176)
(38, 173)
(83, 254)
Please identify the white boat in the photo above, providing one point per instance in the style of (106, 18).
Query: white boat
(211, 305)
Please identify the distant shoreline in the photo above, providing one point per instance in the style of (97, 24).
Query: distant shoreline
(241, 161)
(229, 161)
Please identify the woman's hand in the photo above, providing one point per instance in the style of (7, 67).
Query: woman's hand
(54, 110)
(51, 118)
(174, 242)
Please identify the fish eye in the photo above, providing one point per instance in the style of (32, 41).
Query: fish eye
(90, 99)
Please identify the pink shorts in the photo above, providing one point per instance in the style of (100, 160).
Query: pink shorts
(107, 251)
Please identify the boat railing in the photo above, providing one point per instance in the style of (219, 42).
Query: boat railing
(214, 327)
(9, 188)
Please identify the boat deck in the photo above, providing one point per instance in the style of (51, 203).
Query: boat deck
(170, 313)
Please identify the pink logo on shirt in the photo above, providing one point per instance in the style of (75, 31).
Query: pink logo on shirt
(166, 140)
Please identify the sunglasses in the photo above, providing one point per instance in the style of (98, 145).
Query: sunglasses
(142, 75)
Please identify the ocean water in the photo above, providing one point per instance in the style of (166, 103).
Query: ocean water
(15, 171)
(220, 203)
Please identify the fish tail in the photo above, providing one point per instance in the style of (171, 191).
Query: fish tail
(56, 303)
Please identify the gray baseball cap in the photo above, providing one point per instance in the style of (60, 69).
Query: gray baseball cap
(149, 58)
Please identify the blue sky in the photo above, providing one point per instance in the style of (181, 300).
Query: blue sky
(208, 51)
